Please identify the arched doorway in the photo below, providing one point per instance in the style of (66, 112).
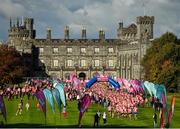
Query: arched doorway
(82, 76)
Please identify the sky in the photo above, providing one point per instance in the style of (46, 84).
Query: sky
(92, 14)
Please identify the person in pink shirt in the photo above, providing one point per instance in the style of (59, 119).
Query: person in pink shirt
(23, 91)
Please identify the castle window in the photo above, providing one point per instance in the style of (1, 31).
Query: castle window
(69, 50)
(69, 63)
(96, 50)
(55, 50)
(83, 50)
(83, 63)
(110, 63)
(124, 60)
(41, 50)
(96, 63)
(110, 50)
(55, 63)
(129, 61)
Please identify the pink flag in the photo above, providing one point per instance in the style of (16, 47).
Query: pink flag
(84, 106)
(126, 82)
(72, 76)
(162, 121)
(171, 110)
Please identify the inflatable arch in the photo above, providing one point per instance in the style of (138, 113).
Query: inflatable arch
(102, 79)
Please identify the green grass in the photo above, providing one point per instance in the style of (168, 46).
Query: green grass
(35, 118)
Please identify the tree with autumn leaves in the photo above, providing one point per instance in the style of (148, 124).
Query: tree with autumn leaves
(12, 67)
(161, 62)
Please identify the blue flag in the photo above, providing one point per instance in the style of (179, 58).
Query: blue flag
(60, 88)
(147, 86)
(49, 98)
(56, 96)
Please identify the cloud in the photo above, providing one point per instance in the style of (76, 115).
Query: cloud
(93, 14)
(9, 9)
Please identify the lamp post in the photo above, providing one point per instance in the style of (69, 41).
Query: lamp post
(90, 68)
(103, 68)
(62, 67)
(76, 67)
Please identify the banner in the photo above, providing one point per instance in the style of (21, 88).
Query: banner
(76, 82)
(72, 76)
(60, 88)
(56, 96)
(159, 90)
(144, 89)
(2, 107)
(84, 106)
(126, 82)
(150, 88)
(171, 110)
(162, 120)
(49, 98)
(147, 86)
(164, 102)
(42, 101)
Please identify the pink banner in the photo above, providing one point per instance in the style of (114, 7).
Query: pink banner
(84, 106)
(171, 110)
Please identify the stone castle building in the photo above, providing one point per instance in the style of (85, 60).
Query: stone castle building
(59, 57)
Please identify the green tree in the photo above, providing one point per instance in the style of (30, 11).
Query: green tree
(161, 62)
(12, 68)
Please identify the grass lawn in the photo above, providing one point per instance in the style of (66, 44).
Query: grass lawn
(35, 118)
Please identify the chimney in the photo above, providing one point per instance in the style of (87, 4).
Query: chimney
(48, 33)
(17, 22)
(120, 25)
(66, 32)
(84, 33)
(10, 23)
(101, 34)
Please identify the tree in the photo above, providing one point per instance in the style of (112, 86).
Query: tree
(12, 67)
(161, 62)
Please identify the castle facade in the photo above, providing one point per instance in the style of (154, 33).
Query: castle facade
(118, 57)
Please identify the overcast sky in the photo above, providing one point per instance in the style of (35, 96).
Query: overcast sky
(93, 14)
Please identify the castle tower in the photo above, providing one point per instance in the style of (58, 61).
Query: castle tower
(66, 32)
(83, 33)
(145, 27)
(28, 23)
(20, 32)
(119, 30)
(101, 34)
